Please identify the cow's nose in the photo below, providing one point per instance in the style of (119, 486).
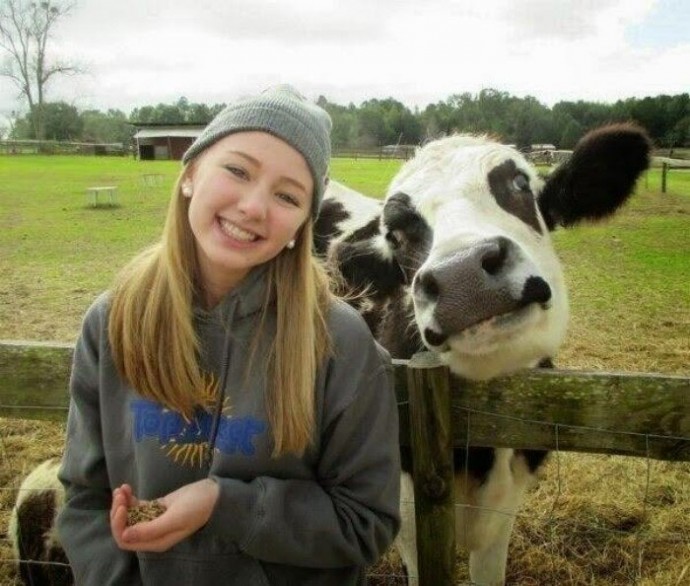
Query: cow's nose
(480, 267)
(475, 284)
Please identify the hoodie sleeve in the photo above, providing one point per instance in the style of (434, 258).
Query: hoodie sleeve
(348, 515)
(84, 522)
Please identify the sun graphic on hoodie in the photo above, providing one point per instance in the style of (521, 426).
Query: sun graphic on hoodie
(194, 453)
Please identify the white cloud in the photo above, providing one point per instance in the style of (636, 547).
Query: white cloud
(142, 52)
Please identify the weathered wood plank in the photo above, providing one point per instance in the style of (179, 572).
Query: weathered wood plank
(432, 457)
(33, 380)
(619, 413)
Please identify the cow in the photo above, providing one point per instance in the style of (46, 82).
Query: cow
(32, 529)
(457, 259)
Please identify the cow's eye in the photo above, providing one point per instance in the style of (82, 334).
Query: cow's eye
(520, 182)
(393, 239)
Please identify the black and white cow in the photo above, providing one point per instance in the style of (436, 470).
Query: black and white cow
(457, 259)
(32, 530)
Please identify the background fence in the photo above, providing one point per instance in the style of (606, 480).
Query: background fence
(630, 414)
(56, 147)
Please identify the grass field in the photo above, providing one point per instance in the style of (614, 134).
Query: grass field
(594, 520)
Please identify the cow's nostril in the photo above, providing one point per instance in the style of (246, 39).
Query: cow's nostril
(429, 285)
(434, 338)
(494, 258)
(536, 290)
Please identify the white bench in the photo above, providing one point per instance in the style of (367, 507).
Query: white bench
(110, 191)
(152, 179)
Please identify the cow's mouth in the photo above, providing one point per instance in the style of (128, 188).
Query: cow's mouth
(504, 323)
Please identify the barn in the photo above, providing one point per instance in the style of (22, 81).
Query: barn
(159, 141)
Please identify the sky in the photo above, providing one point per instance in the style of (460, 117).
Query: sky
(144, 52)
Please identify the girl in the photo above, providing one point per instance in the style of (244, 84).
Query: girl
(222, 379)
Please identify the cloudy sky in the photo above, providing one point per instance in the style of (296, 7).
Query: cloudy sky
(139, 52)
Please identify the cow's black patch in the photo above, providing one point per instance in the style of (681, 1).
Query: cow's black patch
(366, 271)
(479, 462)
(512, 192)
(400, 214)
(398, 331)
(326, 227)
(535, 290)
(407, 232)
(34, 519)
(534, 458)
(366, 232)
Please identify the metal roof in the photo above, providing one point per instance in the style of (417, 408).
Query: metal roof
(165, 131)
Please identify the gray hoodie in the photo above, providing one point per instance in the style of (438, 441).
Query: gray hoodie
(318, 519)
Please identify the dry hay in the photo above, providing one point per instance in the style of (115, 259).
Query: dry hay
(23, 445)
(593, 519)
(604, 520)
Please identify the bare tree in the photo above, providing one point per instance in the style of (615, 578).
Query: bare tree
(25, 29)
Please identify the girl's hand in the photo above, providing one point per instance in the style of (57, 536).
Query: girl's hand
(186, 510)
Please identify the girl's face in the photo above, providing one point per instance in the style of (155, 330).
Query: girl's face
(251, 193)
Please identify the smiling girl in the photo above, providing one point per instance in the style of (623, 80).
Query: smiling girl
(221, 378)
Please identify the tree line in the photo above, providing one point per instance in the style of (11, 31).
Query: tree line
(379, 122)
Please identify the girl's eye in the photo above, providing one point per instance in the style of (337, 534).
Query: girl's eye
(237, 171)
(289, 199)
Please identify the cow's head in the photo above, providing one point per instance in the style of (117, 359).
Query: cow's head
(468, 222)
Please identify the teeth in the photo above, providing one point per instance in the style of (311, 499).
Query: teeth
(236, 232)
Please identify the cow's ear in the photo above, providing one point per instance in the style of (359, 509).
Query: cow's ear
(401, 221)
(407, 234)
(599, 176)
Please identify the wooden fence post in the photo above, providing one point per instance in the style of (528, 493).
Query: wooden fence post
(664, 171)
(432, 458)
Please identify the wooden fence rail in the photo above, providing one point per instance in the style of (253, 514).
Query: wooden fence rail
(643, 415)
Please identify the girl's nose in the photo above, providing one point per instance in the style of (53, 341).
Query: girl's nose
(253, 203)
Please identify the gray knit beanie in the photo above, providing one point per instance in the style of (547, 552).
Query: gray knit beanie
(285, 113)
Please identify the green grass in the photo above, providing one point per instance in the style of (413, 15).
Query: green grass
(369, 176)
(57, 253)
(55, 250)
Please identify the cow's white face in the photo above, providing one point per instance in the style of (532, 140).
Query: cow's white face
(461, 247)
(490, 296)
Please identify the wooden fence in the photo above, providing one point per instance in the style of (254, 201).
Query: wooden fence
(630, 414)
(666, 165)
(58, 147)
(403, 151)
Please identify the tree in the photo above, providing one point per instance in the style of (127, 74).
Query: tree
(111, 126)
(25, 30)
(345, 130)
(62, 122)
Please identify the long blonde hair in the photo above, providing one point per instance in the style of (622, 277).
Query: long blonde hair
(156, 349)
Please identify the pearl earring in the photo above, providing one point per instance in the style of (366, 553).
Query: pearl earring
(291, 244)
(187, 189)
